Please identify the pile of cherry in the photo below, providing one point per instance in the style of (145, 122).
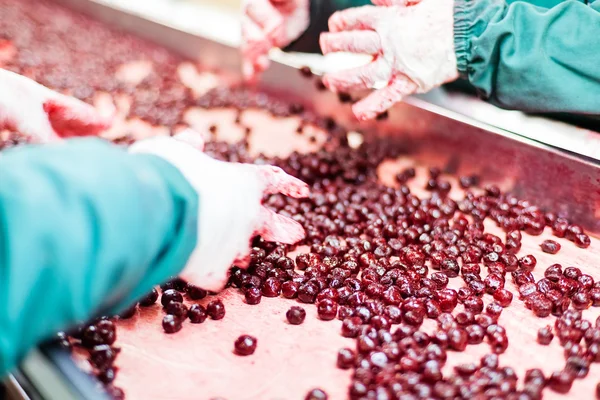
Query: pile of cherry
(381, 259)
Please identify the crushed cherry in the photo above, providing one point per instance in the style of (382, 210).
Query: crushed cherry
(253, 295)
(316, 394)
(271, 287)
(115, 393)
(179, 310)
(107, 376)
(295, 315)
(197, 314)
(245, 345)
(545, 335)
(171, 295)
(103, 356)
(171, 324)
(103, 332)
(327, 309)
(195, 292)
(550, 246)
(216, 309)
(345, 358)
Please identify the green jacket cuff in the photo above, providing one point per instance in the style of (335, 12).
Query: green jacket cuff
(463, 15)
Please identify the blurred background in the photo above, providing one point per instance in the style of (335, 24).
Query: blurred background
(220, 21)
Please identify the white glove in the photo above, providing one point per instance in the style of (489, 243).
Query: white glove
(43, 114)
(412, 49)
(267, 24)
(231, 213)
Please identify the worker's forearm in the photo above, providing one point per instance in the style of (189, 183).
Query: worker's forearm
(528, 58)
(84, 228)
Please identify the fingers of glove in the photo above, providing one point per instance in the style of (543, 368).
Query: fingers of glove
(262, 63)
(363, 77)
(365, 42)
(251, 70)
(265, 15)
(382, 99)
(255, 47)
(252, 33)
(71, 117)
(275, 180)
(277, 228)
(48, 114)
(357, 18)
(192, 138)
(248, 70)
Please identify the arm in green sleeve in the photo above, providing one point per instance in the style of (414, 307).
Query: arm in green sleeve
(533, 59)
(85, 228)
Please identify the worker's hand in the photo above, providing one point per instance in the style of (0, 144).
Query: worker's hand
(230, 212)
(267, 24)
(43, 114)
(412, 48)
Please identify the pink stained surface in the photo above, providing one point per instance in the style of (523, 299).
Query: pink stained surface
(291, 360)
(59, 49)
(288, 362)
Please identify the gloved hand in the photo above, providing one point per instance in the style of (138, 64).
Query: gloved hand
(231, 213)
(412, 48)
(267, 24)
(43, 114)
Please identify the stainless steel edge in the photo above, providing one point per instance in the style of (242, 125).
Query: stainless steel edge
(14, 390)
(61, 375)
(551, 163)
(553, 133)
(50, 373)
(47, 380)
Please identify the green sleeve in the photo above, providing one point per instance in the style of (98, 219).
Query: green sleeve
(540, 3)
(85, 228)
(534, 59)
